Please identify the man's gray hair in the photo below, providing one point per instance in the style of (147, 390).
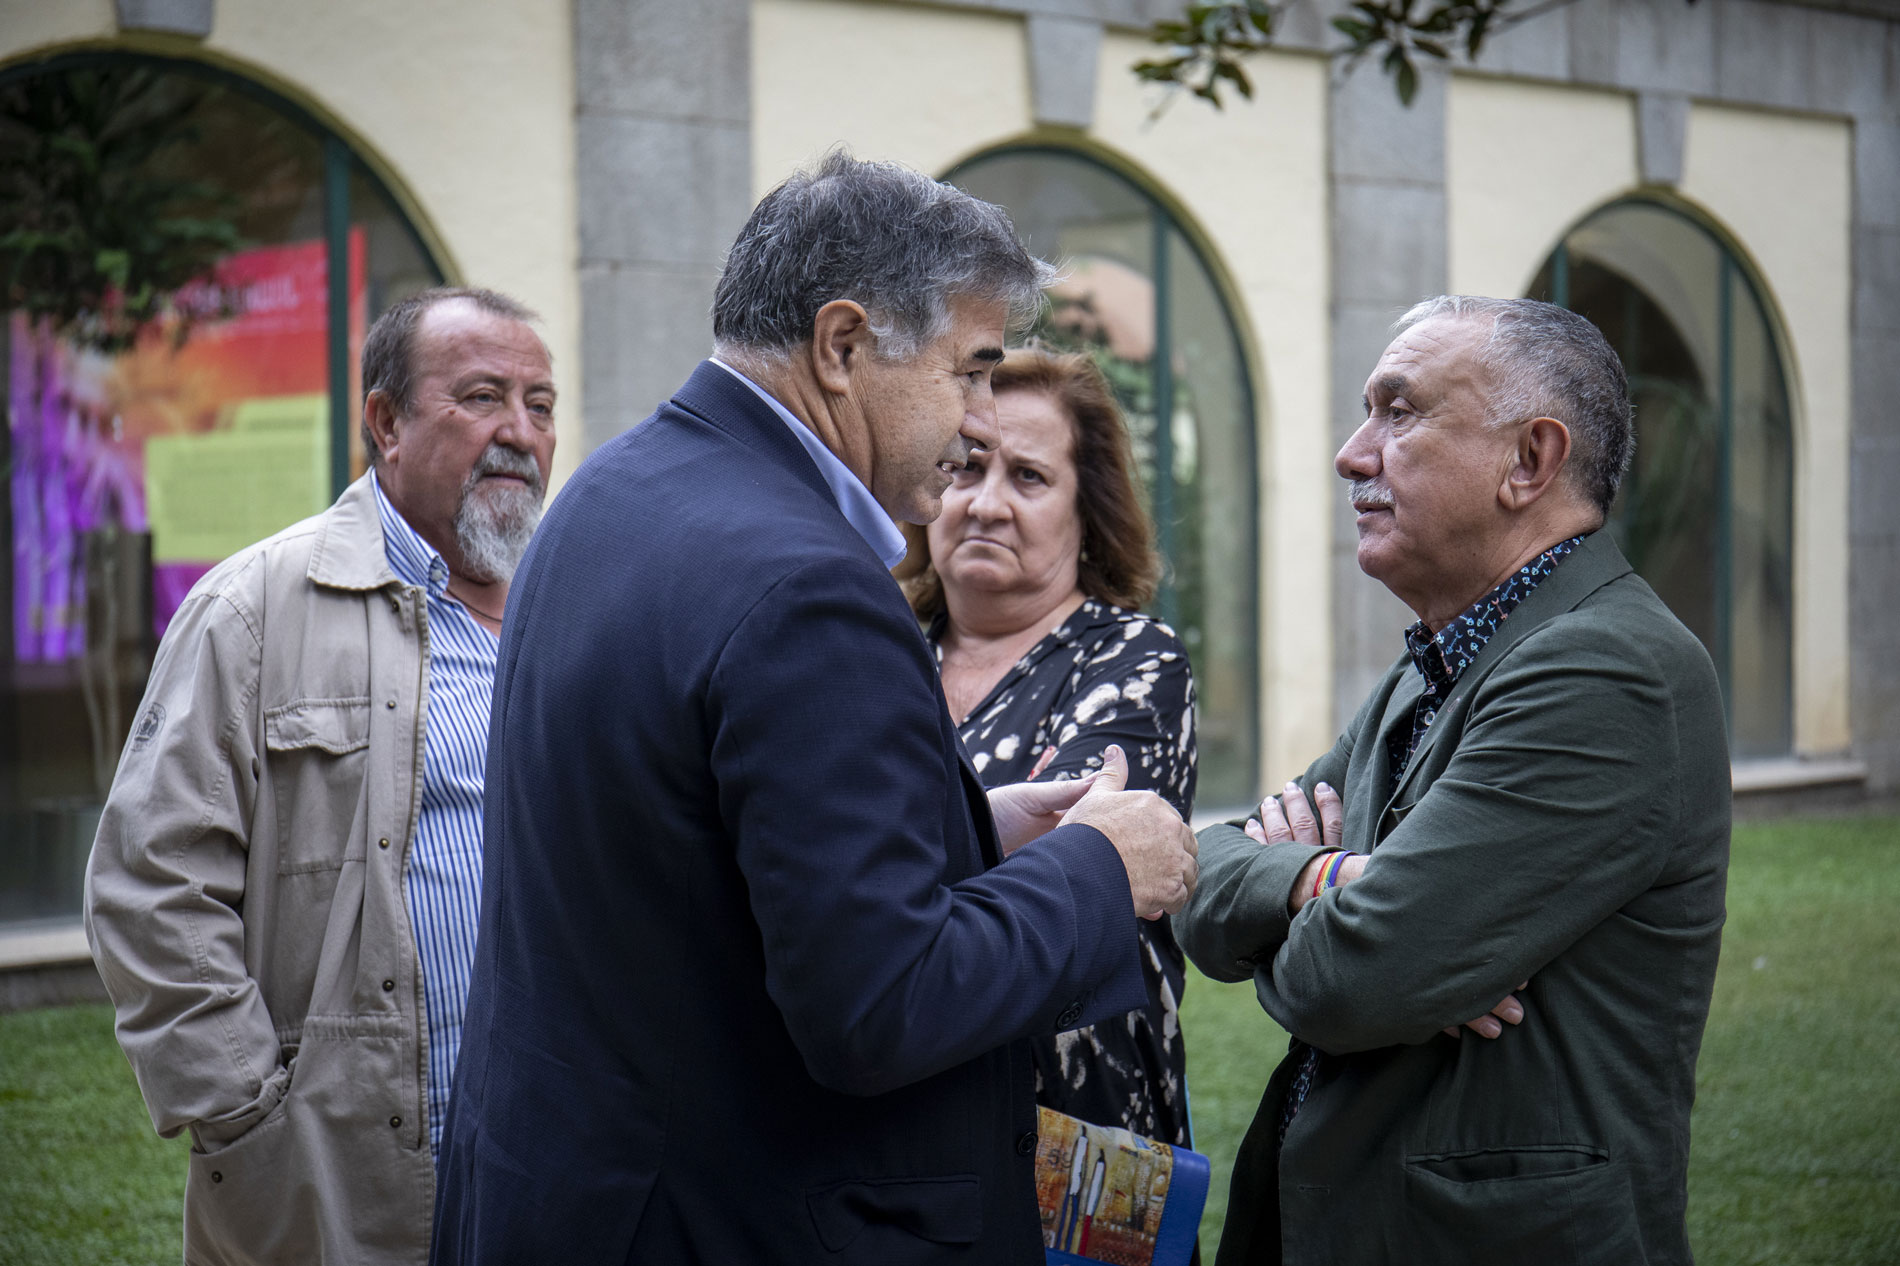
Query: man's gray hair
(389, 349)
(1548, 362)
(892, 240)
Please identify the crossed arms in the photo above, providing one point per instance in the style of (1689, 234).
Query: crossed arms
(1542, 823)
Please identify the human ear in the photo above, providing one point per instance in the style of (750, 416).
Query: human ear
(840, 341)
(379, 415)
(1539, 454)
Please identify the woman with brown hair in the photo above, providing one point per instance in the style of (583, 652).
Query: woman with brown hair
(1030, 585)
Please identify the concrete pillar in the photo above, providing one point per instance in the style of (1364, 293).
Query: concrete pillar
(663, 109)
(1389, 251)
(1874, 522)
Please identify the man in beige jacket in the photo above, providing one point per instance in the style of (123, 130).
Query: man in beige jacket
(283, 895)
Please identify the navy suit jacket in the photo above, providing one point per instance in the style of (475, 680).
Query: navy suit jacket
(751, 985)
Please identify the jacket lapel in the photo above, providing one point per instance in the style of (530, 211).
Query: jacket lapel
(1397, 718)
(1594, 563)
(979, 801)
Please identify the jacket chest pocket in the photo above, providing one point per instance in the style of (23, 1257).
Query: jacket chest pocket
(317, 757)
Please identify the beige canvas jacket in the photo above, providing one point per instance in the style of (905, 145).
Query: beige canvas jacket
(245, 903)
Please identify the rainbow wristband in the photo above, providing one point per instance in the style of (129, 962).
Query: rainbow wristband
(1319, 879)
(1332, 872)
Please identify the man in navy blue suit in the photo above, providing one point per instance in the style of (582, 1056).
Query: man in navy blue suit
(757, 954)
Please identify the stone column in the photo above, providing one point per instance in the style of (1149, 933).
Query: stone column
(1389, 251)
(663, 107)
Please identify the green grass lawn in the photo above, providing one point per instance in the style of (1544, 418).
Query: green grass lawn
(1797, 1122)
(84, 1179)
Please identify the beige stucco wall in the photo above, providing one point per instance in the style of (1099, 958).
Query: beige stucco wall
(922, 86)
(464, 106)
(930, 87)
(1525, 162)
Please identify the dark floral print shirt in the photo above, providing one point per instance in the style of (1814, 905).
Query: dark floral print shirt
(1105, 676)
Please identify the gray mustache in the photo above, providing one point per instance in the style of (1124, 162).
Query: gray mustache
(1369, 492)
(499, 459)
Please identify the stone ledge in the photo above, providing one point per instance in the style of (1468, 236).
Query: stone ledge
(45, 943)
(1795, 773)
(47, 964)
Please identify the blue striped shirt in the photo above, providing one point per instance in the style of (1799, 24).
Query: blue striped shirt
(442, 883)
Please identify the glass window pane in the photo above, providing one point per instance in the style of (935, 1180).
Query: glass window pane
(137, 462)
(1138, 297)
(1213, 538)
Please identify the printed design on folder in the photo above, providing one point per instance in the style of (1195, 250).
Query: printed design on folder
(1103, 1191)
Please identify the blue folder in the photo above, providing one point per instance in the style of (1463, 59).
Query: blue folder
(1109, 1195)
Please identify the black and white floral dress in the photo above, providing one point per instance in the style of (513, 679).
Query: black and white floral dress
(1106, 676)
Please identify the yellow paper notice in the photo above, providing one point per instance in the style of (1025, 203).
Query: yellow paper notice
(211, 494)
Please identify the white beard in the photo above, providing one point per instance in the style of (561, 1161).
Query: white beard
(494, 525)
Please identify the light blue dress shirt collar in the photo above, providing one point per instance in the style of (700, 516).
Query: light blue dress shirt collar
(855, 501)
(413, 559)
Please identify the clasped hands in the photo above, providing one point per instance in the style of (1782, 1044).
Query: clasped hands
(1290, 819)
(1157, 849)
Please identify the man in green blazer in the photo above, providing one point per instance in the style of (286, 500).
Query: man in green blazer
(1528, 821)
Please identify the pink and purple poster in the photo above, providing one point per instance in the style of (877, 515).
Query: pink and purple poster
(207, 445)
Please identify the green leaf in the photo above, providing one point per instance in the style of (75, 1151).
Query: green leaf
(1360, 33)
(1231, 71)
(112, 264)
(1161, 71)
(1408, 81)
(1432, 47)
(1474, 37)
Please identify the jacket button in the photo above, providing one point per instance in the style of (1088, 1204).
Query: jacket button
(382, 843)
(217, 1175)
(1070, 1014)
(389, 986)
(391, 705)
(395, 1123)
(1026, 1145)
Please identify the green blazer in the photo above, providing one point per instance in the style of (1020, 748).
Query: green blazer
(1564, 821)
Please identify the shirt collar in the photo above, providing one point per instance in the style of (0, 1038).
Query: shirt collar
(413, 559)
(1442, 659)
(855, 501)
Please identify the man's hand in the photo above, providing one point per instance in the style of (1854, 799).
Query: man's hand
(1025, 811)
(1511, 1011)
(1289, 819)
(1156, 846)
